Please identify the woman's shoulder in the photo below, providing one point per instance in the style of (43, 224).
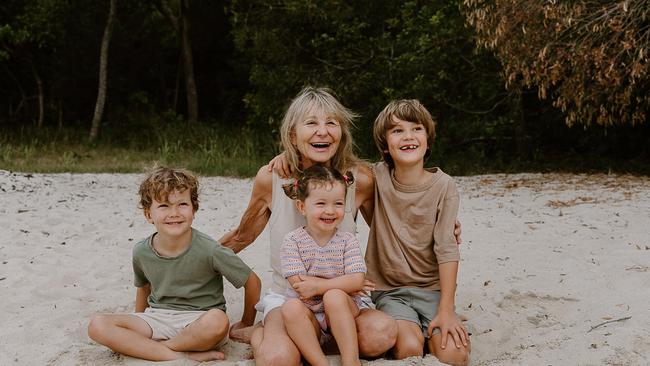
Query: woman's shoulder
(263, 178)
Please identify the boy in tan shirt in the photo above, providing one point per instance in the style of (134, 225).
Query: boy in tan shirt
(412, 255)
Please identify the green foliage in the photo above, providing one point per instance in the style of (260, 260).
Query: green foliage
(252, 56)
(368, 55)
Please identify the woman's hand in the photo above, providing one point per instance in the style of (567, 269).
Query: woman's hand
(281, 165)
(457, 231)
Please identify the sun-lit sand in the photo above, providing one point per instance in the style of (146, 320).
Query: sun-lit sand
(555, 268)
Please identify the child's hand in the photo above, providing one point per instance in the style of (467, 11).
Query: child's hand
(367, 287)
(449, 324)
(307, 286)
(281, 165)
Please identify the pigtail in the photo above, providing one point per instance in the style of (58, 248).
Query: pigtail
(348, 177)
(317, 174)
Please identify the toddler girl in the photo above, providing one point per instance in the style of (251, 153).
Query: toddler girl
(323, 266)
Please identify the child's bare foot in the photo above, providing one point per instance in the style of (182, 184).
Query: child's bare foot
(241, 335)
(204, 356)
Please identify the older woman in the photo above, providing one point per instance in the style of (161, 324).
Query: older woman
(315, 130)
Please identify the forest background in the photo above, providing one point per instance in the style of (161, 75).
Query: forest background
(521, 85)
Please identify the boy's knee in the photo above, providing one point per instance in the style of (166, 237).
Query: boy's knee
(97, 327)
(409, 349)
(215, 321)
(454, 356)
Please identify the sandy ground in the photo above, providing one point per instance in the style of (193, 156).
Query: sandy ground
(555, 268)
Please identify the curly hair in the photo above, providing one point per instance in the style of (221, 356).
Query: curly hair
(161, 181)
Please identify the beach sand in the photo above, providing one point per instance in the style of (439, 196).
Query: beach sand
(555, 268)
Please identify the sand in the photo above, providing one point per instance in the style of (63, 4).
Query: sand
(555, 268)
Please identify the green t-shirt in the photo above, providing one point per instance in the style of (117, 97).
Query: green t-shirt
(191, 281)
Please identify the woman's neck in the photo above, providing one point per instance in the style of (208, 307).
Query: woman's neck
(308, 164)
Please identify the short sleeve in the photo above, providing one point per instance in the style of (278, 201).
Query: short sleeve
(445, 246)
(139, 278)
(233, 268)
(352, 259)
(290, 260)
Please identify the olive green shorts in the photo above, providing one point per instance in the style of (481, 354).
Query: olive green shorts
(413, 304)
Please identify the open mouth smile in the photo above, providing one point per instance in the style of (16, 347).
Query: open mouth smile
(320, 145)
(409, 147)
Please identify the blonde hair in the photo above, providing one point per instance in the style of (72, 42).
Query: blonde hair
(321, 98)
(410, 110)
(162, 181)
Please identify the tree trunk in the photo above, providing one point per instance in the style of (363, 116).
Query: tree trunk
(103, 65)
(188, 63)
(181, 25)
(41, 98)
(60, 109)
(521, 131)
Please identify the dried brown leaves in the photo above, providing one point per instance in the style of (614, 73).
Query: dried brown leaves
(589, 56)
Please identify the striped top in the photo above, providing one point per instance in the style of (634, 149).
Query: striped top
(301, 255)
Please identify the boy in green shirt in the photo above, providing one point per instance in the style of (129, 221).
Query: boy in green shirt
(180, 310)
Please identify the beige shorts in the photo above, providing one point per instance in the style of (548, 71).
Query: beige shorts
(166, 324)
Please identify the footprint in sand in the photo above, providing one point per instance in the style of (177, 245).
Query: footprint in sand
(536, 309)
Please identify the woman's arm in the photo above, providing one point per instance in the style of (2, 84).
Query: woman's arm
(141, 295)
(256, 215)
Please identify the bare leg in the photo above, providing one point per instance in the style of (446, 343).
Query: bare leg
(376, 332)
(341, 310)
(129, 335)
(450, 355)
(202, 335)
(271, 343)
(410, 340)
(304, 330)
